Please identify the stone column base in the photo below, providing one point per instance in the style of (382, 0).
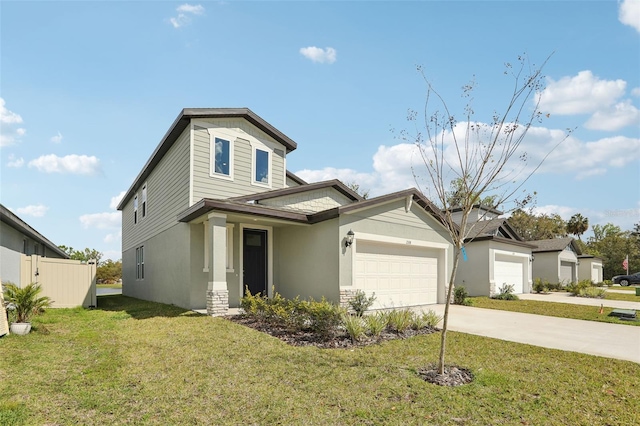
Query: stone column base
(347, 295)
(217, 302)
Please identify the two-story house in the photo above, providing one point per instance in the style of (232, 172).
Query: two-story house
(214, 212)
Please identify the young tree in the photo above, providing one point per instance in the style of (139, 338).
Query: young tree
(577, 225)
(355, 187)
(486, 158)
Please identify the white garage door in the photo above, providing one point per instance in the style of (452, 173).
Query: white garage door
(399, 275)
(566, 272)
(509, 270)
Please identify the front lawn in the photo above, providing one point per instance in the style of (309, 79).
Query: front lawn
(117, 285)
(552, 309)
(135, 362)
(631, 297)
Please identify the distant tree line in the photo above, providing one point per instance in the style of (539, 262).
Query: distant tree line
(106, 272)
(609, 242)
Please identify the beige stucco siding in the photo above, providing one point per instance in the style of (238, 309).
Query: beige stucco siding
(473, 274)
(308, 262)
(167, 195)
(311, 201)
(546, 265)
(167, 267)
(241, 134)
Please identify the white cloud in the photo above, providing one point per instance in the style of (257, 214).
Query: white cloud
(109, 220)
(35, 211)
(114, 255)
(581, 94)
(563, 211)
(113, 238)
(629, 13)
(394, 166)
(9, 135)
(71, 164)
(8, 117)
(189, 8)
(116, 200)
(14, 162)
(319, 55)
(635, 91)
(184, 12)
(57, 138)
(616, 117)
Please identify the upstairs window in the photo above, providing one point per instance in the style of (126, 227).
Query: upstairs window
(144, 200)
(261, 165)
(222, 157)
(135, 209)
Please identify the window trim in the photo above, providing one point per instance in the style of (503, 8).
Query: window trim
(140, 263)
(229, 247)
(255, 146)
(135, 209)
(217, 134)
(144, 200)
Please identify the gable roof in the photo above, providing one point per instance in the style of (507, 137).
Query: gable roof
(492, 229)
(240, 205)
(335, 184)
(182, 122)
(296, 178)
(11, 219)
(555, 244)
(478, 207)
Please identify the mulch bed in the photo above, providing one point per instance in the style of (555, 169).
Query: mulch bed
(336, 340)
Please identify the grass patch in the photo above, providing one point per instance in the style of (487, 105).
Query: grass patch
(631, 297)
(551, 309)
(109, 285)
(135, 362)
(629, 288)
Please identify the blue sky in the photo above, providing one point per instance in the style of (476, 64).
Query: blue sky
(89, 88)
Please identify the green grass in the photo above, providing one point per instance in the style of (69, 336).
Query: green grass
(631, 297)
(135, 362)
(629, 288)
(109, 285)
(552, 309)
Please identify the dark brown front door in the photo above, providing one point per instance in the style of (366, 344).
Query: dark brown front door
(254, 243)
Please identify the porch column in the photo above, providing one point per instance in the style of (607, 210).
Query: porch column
(217, 293)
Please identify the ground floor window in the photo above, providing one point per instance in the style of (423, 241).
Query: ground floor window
(140, 263)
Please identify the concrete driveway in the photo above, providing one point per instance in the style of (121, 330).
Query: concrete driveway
(589, 337)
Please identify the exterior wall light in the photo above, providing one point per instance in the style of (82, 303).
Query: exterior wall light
(532, 258)
(349, 239)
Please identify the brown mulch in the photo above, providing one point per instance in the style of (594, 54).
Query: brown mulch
(453, 375)
(335, 340)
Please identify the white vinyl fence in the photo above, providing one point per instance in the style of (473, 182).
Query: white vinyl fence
(69, 283)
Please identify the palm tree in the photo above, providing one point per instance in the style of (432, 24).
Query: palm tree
(26, 301)
(577, 225)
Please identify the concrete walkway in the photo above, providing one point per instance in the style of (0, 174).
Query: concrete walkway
(594, 338)
(564, 297)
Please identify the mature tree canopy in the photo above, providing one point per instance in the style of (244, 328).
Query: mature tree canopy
(577, 225)
(459, 195)
(533, 227)
(109, 271)
(355, 187)
(613, 245)
(84, 255)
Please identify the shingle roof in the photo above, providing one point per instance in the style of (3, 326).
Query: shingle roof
(555, 244)
(11, 219)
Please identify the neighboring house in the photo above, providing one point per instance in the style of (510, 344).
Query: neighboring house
(18, 238)
(590, 268)
(214, 211)
(556, 260)
(495, 255)
(27, 256)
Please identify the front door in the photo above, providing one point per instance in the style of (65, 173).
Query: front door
(254, 243)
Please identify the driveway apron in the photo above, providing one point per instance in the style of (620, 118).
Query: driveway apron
(588, 337)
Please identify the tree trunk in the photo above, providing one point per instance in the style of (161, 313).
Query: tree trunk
(445, 321)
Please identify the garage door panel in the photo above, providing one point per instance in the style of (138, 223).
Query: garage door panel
(402, 276)
(509, 271)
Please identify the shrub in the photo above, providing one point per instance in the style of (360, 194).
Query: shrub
(540, 286)
(376, 323)
(430, 318)
(555, 286)
(506, 293)
(400, 320)
(26, 301)
(576, 287)
(592, 292)
(355, 326)
(460, 296)
(360, 302)
(323, 316)
(608, 283)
